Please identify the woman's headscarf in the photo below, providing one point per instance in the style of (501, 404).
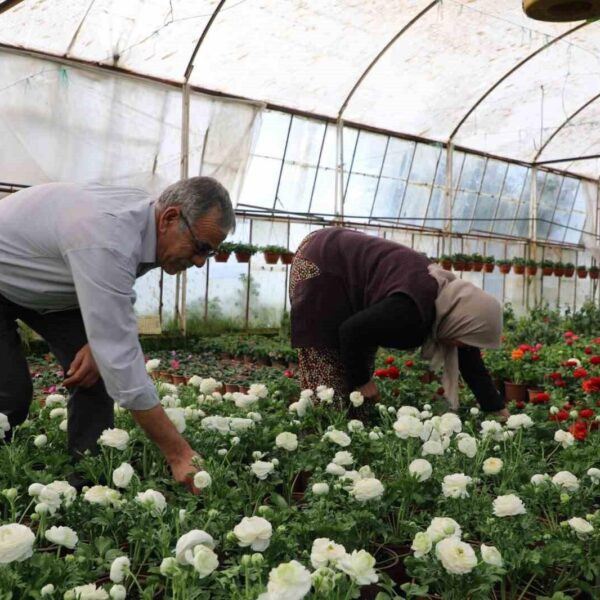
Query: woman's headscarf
(464, 313)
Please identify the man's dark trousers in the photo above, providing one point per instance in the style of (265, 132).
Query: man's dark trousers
(90, 410)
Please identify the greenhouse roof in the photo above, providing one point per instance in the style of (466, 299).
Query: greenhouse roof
(478, 73)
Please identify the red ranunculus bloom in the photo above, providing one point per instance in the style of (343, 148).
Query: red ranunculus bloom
(535, 357)
(597, 340)
(588, 350)
(561, 415)
(595, 360)
(554, 375)
(591, 385)
(541, 398)
(567, 406)
(409, 363)
(525, 347)
(560, 383)
(579, 430)
(580, 373)
(586, 413)
(570, 363)
(381, 372)
(568, 334)
(393, 372)
(390, 360)
(520, 404)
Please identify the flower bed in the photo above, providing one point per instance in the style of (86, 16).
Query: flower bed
(301, 500)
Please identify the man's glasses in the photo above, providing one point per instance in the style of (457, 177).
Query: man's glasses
(201, 248)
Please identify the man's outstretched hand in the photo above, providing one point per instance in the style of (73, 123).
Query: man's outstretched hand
(183, 468)
(83, 371)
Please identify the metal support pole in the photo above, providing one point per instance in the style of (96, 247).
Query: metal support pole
(533, 229)
(184, 171)
(446, 246)
(247, 319)
(339, 167)
(206, 291)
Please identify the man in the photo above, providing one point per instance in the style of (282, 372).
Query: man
(69, 257)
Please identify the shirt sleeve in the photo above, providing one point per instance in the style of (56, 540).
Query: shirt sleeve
(104, 281)
(477, 377)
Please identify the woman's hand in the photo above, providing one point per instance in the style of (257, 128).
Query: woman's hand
(370, 391)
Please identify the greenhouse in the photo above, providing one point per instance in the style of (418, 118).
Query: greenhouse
(383, 379)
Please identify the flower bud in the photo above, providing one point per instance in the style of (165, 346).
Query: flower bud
(257, 559)
(246, 560)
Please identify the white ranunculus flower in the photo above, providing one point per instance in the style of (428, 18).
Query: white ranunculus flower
(474, 411)
(410, 411)
(259, 390)
(244, 401)
(564, 438)
(455, 485)
(308, 393)
(566, 480)
(16, 543)
(255, 532)
(255, 416)
(118, 592)
(58, 413)
(492, 466)
(443, 527)
(356, 399)
(177, 417)
(580, 526)
(594, 474)
(41, 508)
(4, 425)
(458, 558)
(432, 447)
(520, 421)
(89, 591)
(184, 550)
(326, 395)
(50, 498)
(540, 478)
(208, 386)
(287, 440)
(288, 581)
(119, 568)
(302, 405)
(62, 536)
(66, 491)
(320, 489)
(359, 566)
(168, 567)
(240, 424)
(167, 388)
(364, 490)
(421, 469)
(170, 401)
(491, 555)
(408, 426)
(195, 381)
(216, 423)
(262, 469)
(47, 590)
(449, 423)
(114, 438)
(40, 440)
(468, 446)
(493, 429)
(154, 500)
(421, 544)
(338, 437)
(103, 495)
(35, 489)
(326, 552)
(335, 469)
(355, 425)
(343, 458)
(152, 365)
(55, 400)
(122, 475)
(64, 425)
(205, 560)
(202, 480)
(508, 506)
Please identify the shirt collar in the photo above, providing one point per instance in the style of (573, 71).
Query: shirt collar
(149, 236)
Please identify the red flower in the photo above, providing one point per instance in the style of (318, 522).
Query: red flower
(561, 415)
(588, 350)
(393, 372)
(591, 385)
(568, 334)
(569, 342)
(390, 360)
(555, 375)
(579, 430)
(567, 406)
(579, 373)
(586, 413)
(381, 372)
(288, 373)
(559, 383)
(597, 340)
(570, 363)
(541, 398)
(440, 391)
(595, 360)
(535, 357)
(409, 363)
(520, 404)
(525, 347)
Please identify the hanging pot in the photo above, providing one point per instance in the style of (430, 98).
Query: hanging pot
(222, 257)
(271, 258)
(243, 257)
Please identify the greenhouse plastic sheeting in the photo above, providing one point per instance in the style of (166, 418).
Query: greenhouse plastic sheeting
(308, 55)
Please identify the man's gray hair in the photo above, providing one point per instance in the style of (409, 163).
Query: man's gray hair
(197, 196)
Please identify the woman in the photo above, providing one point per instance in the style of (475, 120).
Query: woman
(351, 293)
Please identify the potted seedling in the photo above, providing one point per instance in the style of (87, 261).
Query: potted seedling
(477, 260)
(559, 268)
(547, 267)
(518, 265)
(582, 271)
(569, 269)
(243, 252)
(224, 251)
(446, 262)
(504, 264)
(489, 263)
(458, 261)
(594, 271)
(531, 267)
(272, 253)
(287, 257)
